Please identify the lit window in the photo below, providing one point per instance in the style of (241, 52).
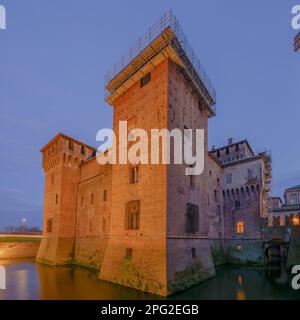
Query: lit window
(240, 227)
(296, 221)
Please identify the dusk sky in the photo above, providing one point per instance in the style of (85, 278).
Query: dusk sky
(54, 54)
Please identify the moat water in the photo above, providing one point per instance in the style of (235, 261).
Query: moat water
(28, 280)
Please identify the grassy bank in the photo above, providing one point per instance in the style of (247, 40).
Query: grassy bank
(20, 239)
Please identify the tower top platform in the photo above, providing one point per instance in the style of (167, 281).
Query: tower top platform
(165, 39)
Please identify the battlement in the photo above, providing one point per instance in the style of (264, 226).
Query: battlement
(65, 149)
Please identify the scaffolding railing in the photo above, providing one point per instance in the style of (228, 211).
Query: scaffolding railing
(183, 49)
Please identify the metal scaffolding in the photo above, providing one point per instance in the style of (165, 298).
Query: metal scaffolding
(162, 35)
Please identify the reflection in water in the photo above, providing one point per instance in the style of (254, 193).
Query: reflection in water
(28, 280)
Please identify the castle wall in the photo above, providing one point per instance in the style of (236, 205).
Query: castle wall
(93, 214)
(189, 258)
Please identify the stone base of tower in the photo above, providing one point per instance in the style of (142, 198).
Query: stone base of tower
(136, 262)
(56, 250)
(186, 266)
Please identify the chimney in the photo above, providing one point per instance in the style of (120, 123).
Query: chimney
(230, 141)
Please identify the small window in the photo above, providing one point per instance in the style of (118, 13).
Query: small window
(192, 218)
(81, 202)
(250, 173)
(128, 253)
(293, 198)
(134, 174)
(218, 181)
(132, 215)
(237, 205)
(71, 146)
(145, 79)
(50, 225)
(227, 150)
(103, 224)
(56, 199)
(92, 198)
(237, 147)
(82, 150)
(218, 153)
(228, 178)
(240, 226)
(193, 253)
(200, 106)
(104, 195)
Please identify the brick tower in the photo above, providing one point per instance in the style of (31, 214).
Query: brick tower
(159, 231)
(61, 163)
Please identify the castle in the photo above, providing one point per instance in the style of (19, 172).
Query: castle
(151, 227)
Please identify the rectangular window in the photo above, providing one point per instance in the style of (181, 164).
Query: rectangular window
(193, 253)
(81, 202)
(237, 147)
(296, 221)
(132, 215)
(250, 173)
(104, 195)
(128, 253)
(293, 198)
(145, 79)
(50, 225)
(237, 204)
(92, 198)
(228, 178)
(192, 218)
(200, 106)
(240, 227)
(218, 154)
(56, 199)
(82, 150)
(71, 145)
(227, 150)
(134, 174)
